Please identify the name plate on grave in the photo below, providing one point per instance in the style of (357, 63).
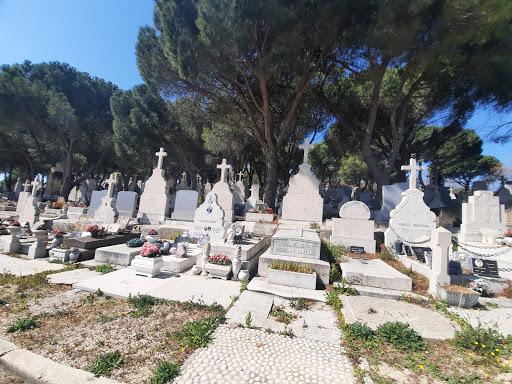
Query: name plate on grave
(484, 267)
(419, 252)
(295, 247)
(356, 250)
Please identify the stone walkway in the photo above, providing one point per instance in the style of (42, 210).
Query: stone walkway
(242, 355)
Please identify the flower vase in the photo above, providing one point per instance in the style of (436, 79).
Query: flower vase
(236, 263)
(151, 239)
(57, 241)
(147, 266)
(243, 274)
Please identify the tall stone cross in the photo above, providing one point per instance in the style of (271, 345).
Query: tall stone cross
(503, 180)
(199, 178)
(111, 181)
(184, 174)
(223, 167)
(240, 174)
(26, 185)
(413, 168)
(306, 147)
(35, 186)
(160, 156)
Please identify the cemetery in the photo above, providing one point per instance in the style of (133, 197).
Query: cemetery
(228, 220)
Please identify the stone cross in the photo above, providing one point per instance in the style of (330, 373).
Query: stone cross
(111, 181)
(160, 156)
(240, 174)
(502, 179)
(184, 174)
(306, 147)
(35, 186)
(223, 167)
(26, 185)
(413, 168)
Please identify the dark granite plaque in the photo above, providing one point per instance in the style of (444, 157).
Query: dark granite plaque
(93, 243)
(357, 250)
(485, 267)
(419, 252)
(408, 251)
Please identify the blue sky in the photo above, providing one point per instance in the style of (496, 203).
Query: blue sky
(99, 37)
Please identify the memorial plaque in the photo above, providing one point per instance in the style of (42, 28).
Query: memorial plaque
(357, 250)
(485, 267)
(408, 250)
(296, 242)
(419, 252)
(239, 234)
(454, 268)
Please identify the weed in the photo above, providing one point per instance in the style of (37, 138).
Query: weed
(248, 320)
(491, 305)
(291, 267)
(299, 304)
(402, 336)
(143, 312)
(56, 261)
(483, 341)
(269, 330)
(99, 292)
(105, 268)
(165, 372)
(361, 331)
(106, 362)
(58, 314)
(198, 333)
(287, 332)
(441, 306)
(143, 301)
(108, 319)
(409, 272)
(22, 325)
(345, 290)
(281, 315)
(88, 299)
(412, 299)
(334, 273)
(3, 302)
(387, 255)
(334, 253)
(332, 299)
(244, 283)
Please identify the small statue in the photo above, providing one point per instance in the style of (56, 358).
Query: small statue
(231, 233)
(206, 254)
(237, 262)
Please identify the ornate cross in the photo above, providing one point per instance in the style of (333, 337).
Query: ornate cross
(240, 174)
(413, 168)
(306, 147)
(26, 185)
(111, 181)
(35, 186)
(223, 167)
(160, 156)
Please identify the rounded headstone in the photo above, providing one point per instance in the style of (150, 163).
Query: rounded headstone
(355, 210)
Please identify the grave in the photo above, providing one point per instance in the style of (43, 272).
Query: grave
(96, 197)
(298, 246)
(483, 217)
(391, 197)
(303, 202)
(88, 245)
(224, 194)
(354, 227)
(374, 273)
(254, 198)
(154, 202)
(119, 254)
(22, 197)
(176, 264)
(239, 194)
(208, 219)
(30, 211)
(412, 218)
(185, 205)
(107, 212)
(126, 203)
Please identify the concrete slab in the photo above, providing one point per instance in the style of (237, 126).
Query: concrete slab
(72, 277)
(488, 318)
(382, 292)
(374, 273)
(428, 323)
(119, 254)
(6, 347)
(24, 267)
(186, 287)
(260, 284)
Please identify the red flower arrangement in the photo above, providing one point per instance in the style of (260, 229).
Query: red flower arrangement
(95, 230)
(15, 224)
(81, 205)
(152, 232)
(150, 251)
(219, 259)
(59, 233)
(41, 227)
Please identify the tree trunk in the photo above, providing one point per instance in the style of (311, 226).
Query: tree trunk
(271, 177)
(67, 177)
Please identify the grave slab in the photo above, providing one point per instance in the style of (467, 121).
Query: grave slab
(260, 284)
(487, 318)
(119, 254)
(430, 324)
(96, 201)
(94, 243)
(374, 273)
(72, 277)
(23, 267)
(126, 202)
(175, 264)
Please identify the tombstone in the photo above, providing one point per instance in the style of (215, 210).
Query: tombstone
(132, 184)
(53, 182)
(391, 197)
(18, 187)
(30, 210)
(239, 191)
(303, 201)
(254, 198)
(441, 242)
(224, 194)
(73, 194)
(343, 201)
(412, 218)
(505, 192)
(366, 197)
(435, 196)
(354, 227)
(479, 186)
(154, 202)
(207, 188)
(96, 201)
(107, 212)
(199, 186)
(482, 216)
(208, 220)
(182, 186)
(126, 203)
(343, 191)
(185, 205)
(22, 197)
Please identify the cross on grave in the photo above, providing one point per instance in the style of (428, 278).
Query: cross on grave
(240, 174)
(160, 156)
(26, 185)
(503, 180)
(199, 178)
(111, 181)
(184, 174)
(223, 167)
(413, 168)
(306, 147)
(35, 186)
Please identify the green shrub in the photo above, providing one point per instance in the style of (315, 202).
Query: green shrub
(143, 301)
(345, 290)
(105, 268)
(198, 333)
(299, 304)
(483, 341)
(248, 320)
(402, 336)
(106, 362)
(165, 372)
(334, 273)
(387, 255)
(2, 302)
(22, 325)
(361, 331)
(334, 253)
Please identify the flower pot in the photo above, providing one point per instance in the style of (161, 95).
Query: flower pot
(243, 274)
(151, 239)
(40, 235)
(465, 299)
(399, 248)
(57, 241)
(147, 266)
(59, 254)
(73, 256)
(217, 270)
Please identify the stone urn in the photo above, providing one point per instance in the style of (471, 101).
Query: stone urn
(40, 235)
(243, 274)
(462, 297)
(13, 244)
(74, 255)
(14, 230)
(147, 266)
(151, 239)
(57, 240)
(218, 270)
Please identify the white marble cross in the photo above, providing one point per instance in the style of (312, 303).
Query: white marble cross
(111, 181)
(35, 186)
(306, 147)
(223, 167)
(26, 185)
(160, 156)
(184, 174)
(413, 168)
(240, 174)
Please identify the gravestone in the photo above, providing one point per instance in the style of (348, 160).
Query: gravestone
(482, 215)
(154, 202)
(22, 197)
(366, 197)
(224, 194)
(18, 187)
(126, 203)
(412, 218)
(182, 186)
(354, 227)
(391, 197)
(96, 197)
(207, 188)
(208, 219)
(505, 191)
(107, 212)
(54, 182)
(30, 210)
(239, 191)
(185, 205)
(303, 201)
(254, 198)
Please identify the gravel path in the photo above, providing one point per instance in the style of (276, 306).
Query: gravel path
(240, 355)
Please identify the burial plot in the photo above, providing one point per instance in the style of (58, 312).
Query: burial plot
(185, 205)
(126, 203)
(391, 197)
(354, 227)
(208, 219)
(107, 212)
(224, 194)
(374, 273)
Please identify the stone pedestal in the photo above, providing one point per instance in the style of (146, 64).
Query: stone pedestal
(154, 202)
(146, 266)
(13, 244)
(354, 228)
(38, 248)
(107, 212)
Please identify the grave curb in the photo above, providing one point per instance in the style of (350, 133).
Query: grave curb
(35, 369)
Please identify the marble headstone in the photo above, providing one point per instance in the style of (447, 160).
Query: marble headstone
(185, 205)
(96, 201)
(126, 203)
(224, 194)
(208, 219)
(254, 198)
(354, 227)
(391, 197)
